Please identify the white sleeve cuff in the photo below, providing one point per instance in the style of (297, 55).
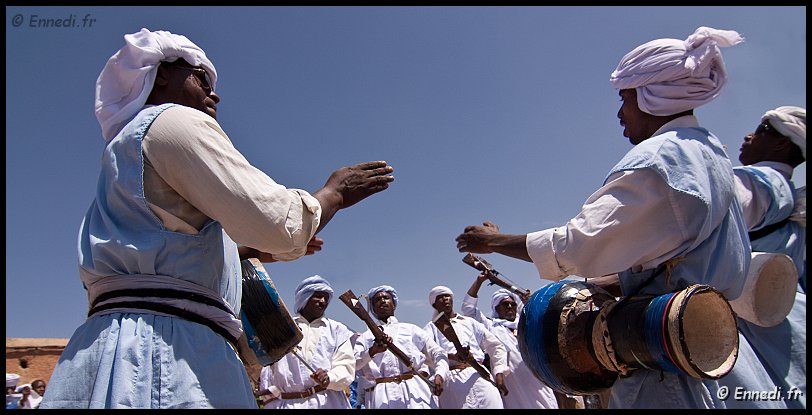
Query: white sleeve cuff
(541, 250)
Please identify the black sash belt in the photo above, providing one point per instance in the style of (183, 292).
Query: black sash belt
(162, 293)
(164, 308)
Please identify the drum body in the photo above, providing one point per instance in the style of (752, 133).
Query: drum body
(577, 338)
(555, 337)
(692, 331)
(268, 326)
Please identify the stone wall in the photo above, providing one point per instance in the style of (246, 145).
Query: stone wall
(33, 358)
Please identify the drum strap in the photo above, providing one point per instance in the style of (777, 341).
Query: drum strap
(664, 267)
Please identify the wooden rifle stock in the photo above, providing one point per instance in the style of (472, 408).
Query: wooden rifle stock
(355, 305)
(493, 275)
(444, 325)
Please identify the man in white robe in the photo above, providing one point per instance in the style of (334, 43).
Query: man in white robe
(465, 388)
(775, 211)
(326, 347)
(666, 216)
(393, 386)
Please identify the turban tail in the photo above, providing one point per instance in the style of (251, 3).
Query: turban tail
(671, 75)
(306, 289)
(126, 81)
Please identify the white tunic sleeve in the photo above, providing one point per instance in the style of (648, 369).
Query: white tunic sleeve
(495, 349)
(754, 199)
(198, 174)
(343, 371)
(634, 220)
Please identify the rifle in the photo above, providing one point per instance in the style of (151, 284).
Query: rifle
(354, 304)
(444, 325)
(493, 275)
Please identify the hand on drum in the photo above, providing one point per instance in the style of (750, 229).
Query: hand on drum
(313, 246)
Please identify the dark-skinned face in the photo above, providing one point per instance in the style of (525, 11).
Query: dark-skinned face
(506, 309)
(39, 387)
(764, 144)
(443, 303)
(383, 305)
(637, 125)
(181, 83)
(315, 306)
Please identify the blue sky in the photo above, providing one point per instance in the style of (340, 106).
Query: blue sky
(486, 113)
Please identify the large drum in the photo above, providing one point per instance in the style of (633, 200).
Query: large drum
(555, 337)
(769, 291)
(577, 338)
(268, 326)
(692, 331)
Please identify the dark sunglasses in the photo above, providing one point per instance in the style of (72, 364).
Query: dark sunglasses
(200, 74)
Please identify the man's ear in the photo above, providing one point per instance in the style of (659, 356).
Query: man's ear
(161, 77)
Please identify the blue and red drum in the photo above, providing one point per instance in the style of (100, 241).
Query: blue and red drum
(577, 338)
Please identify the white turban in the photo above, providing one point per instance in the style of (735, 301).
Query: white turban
(436, 292)
(306, 289)
(498, 296)
(12, 379)
(791, 123)
(378, 289)
(671, 75)
(127, 79)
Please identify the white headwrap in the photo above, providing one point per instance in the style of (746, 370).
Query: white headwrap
(12, 379)
(306, 289)
(671, 75)
(378, 289)
(500, 295)
(127, 79)
(791, 123)
(434, 293)
(437, 291)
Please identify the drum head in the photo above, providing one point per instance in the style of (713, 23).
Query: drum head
(702, 332)
(555, 337)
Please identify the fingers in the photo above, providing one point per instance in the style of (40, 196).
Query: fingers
(371, 165)
(380, 171)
